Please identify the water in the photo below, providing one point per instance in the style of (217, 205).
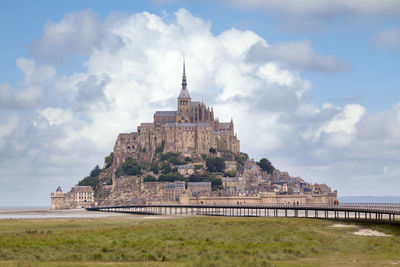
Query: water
(45, 213)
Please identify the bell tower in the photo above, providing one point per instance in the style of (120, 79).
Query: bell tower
(184, 101)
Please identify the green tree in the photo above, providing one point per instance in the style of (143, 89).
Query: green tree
(160, 149)
(266, 165)
(165, 168)
(212, 150)
(170, 177)
(129, 167)
(95, 172)
(215, 164)
(109, 160)
(154, 167)
(149, 178)
(90, 181)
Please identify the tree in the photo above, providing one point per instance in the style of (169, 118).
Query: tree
(149, 178)
(165, 168)
(90, 181)
(154, 167)
(215, 164)
(170, 177)
(109, 160)
(195, 177)
(212, 150)
(95, 172)
(266, 165)
(160, 149)
(129, 167)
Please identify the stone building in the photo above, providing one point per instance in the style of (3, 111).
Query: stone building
(186, 170)
(175, 190)
(80, 196)
(199, 188)
(192, 130)
(57, 200)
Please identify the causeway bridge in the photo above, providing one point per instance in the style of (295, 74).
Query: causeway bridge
(371, 212)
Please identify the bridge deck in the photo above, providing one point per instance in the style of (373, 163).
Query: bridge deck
(389, 213)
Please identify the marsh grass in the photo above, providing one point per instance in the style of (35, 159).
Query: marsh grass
(194, 241)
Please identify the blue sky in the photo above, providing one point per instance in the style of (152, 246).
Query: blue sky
(327, 73)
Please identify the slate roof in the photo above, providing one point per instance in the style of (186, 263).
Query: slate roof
(186, 167)
(184, 93)
(199, 184)
(165, 113)
(201, 124)
(224, 125)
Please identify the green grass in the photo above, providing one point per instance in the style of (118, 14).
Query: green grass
(194, 241)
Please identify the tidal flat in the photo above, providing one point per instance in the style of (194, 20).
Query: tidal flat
(194, 241)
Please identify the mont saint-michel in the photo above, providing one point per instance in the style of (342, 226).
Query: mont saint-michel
(187, 156)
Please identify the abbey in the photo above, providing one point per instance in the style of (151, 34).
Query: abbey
(191, 130)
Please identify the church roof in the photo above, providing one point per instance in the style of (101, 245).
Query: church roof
(199, 184)
(59, 189)
(165, 113)
(224, 125)
(184, 93)
(202, 124)
(195, 103)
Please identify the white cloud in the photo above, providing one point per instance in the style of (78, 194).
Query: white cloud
(299, 55)
(7, 129)
(77, 33)
(388, 39)
(137, 70)
(324, 7)
(55, 116)
(27, 97)
(34, 73)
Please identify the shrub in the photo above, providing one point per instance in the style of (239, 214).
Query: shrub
(212, 150)
(129, 167)
(198, 166)
(170, 177)
(215, 164)
(149, 178)
(154, 167)
(108, 160)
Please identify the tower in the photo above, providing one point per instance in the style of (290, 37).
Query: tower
(184, 101)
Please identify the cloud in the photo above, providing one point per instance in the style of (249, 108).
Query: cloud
(137, 70)
(7, 129)
(34, 73)
(27, 97)
(324, 7)
(76, 34)
(298, 55)
(388, 39)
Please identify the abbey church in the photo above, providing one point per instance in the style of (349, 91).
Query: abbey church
(191, 130)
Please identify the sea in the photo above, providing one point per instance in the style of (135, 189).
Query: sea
(46, 213)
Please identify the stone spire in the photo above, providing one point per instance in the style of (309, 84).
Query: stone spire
(184, 92)
(184, 84)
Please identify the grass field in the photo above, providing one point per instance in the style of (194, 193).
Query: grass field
(193, 241)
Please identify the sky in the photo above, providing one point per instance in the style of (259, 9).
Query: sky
(311, 85)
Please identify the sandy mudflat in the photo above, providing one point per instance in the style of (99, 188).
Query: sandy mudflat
(369, 232)
(341, 225)
(360, 231)
(46, 213)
